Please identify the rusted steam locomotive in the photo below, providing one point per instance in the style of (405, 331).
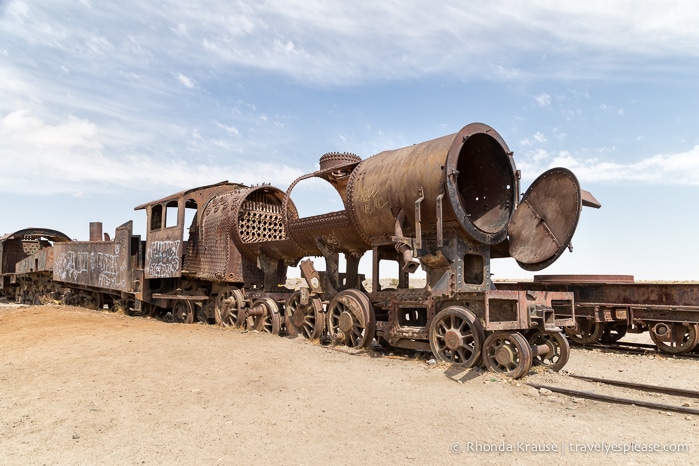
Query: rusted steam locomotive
(221, 253)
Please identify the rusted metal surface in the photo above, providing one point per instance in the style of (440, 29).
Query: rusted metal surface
(474, 168)
(99, 264)
(540, 230)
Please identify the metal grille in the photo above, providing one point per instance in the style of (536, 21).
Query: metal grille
(260, 221)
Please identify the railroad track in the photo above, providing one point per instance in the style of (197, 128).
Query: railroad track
(645, 388)
(635, 348)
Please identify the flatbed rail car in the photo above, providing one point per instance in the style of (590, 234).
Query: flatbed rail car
(26, 263)
(609, 306)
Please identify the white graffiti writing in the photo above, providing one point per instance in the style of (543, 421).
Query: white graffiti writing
(163, 257)
(89, 266)
(71, 264)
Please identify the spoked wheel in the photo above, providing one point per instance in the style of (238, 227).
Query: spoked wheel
(585, 332)
(304, 319)
(613, 332)
(227, 306)
(508, 354)
(268, 320)
(675, 337)
(557, 350)
(183, 312)
(351, 320)
(456, 336)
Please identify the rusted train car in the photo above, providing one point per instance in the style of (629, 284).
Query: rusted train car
(26, 264)
(221, 253)
(609, 306)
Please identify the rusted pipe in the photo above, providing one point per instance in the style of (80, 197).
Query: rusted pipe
(410, 265)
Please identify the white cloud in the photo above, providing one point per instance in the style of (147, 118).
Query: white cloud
(543, 100)
(186, 81)
(661, 169)
(540, 138)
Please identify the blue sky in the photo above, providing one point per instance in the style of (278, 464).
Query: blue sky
(107, 105)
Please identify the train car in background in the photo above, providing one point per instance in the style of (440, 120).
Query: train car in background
(26, 262)
(609, 306)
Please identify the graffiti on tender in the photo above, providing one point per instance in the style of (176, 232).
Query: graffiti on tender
(77, 266)
(71, 264)
(163, 257)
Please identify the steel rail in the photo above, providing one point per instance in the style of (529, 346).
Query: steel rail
(641, 386)
(617, 400)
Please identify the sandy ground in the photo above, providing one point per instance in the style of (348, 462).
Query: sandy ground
(88, 387)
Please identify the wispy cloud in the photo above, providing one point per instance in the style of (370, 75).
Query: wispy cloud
(680, 169)
(68, 157)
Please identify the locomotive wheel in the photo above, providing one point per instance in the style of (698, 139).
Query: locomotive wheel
(183, 312)
(559, 350)
(508, 354)
(456, 336)
(613, 332)
(227, 304)
(269, 321)
(92, 300)
(680, 338)
(306, 320)
(585, 332)
(350, 319)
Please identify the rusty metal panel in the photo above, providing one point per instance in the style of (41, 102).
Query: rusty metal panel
(40, 261)
(516, 309)
(103, 264)
(164, 254)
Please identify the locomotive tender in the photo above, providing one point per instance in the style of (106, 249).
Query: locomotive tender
(447, 206)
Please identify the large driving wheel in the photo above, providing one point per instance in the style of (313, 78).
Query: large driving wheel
(556, 349)
(304, 319)
(508, 354)
(227, 306)
(456, 336)
(675, 337)
(268, 319)
(183, 312)
(351, 320)
(586, 331)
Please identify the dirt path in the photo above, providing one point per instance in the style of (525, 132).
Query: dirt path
(87, 387)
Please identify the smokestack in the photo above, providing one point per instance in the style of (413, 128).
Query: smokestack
(95, 231)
